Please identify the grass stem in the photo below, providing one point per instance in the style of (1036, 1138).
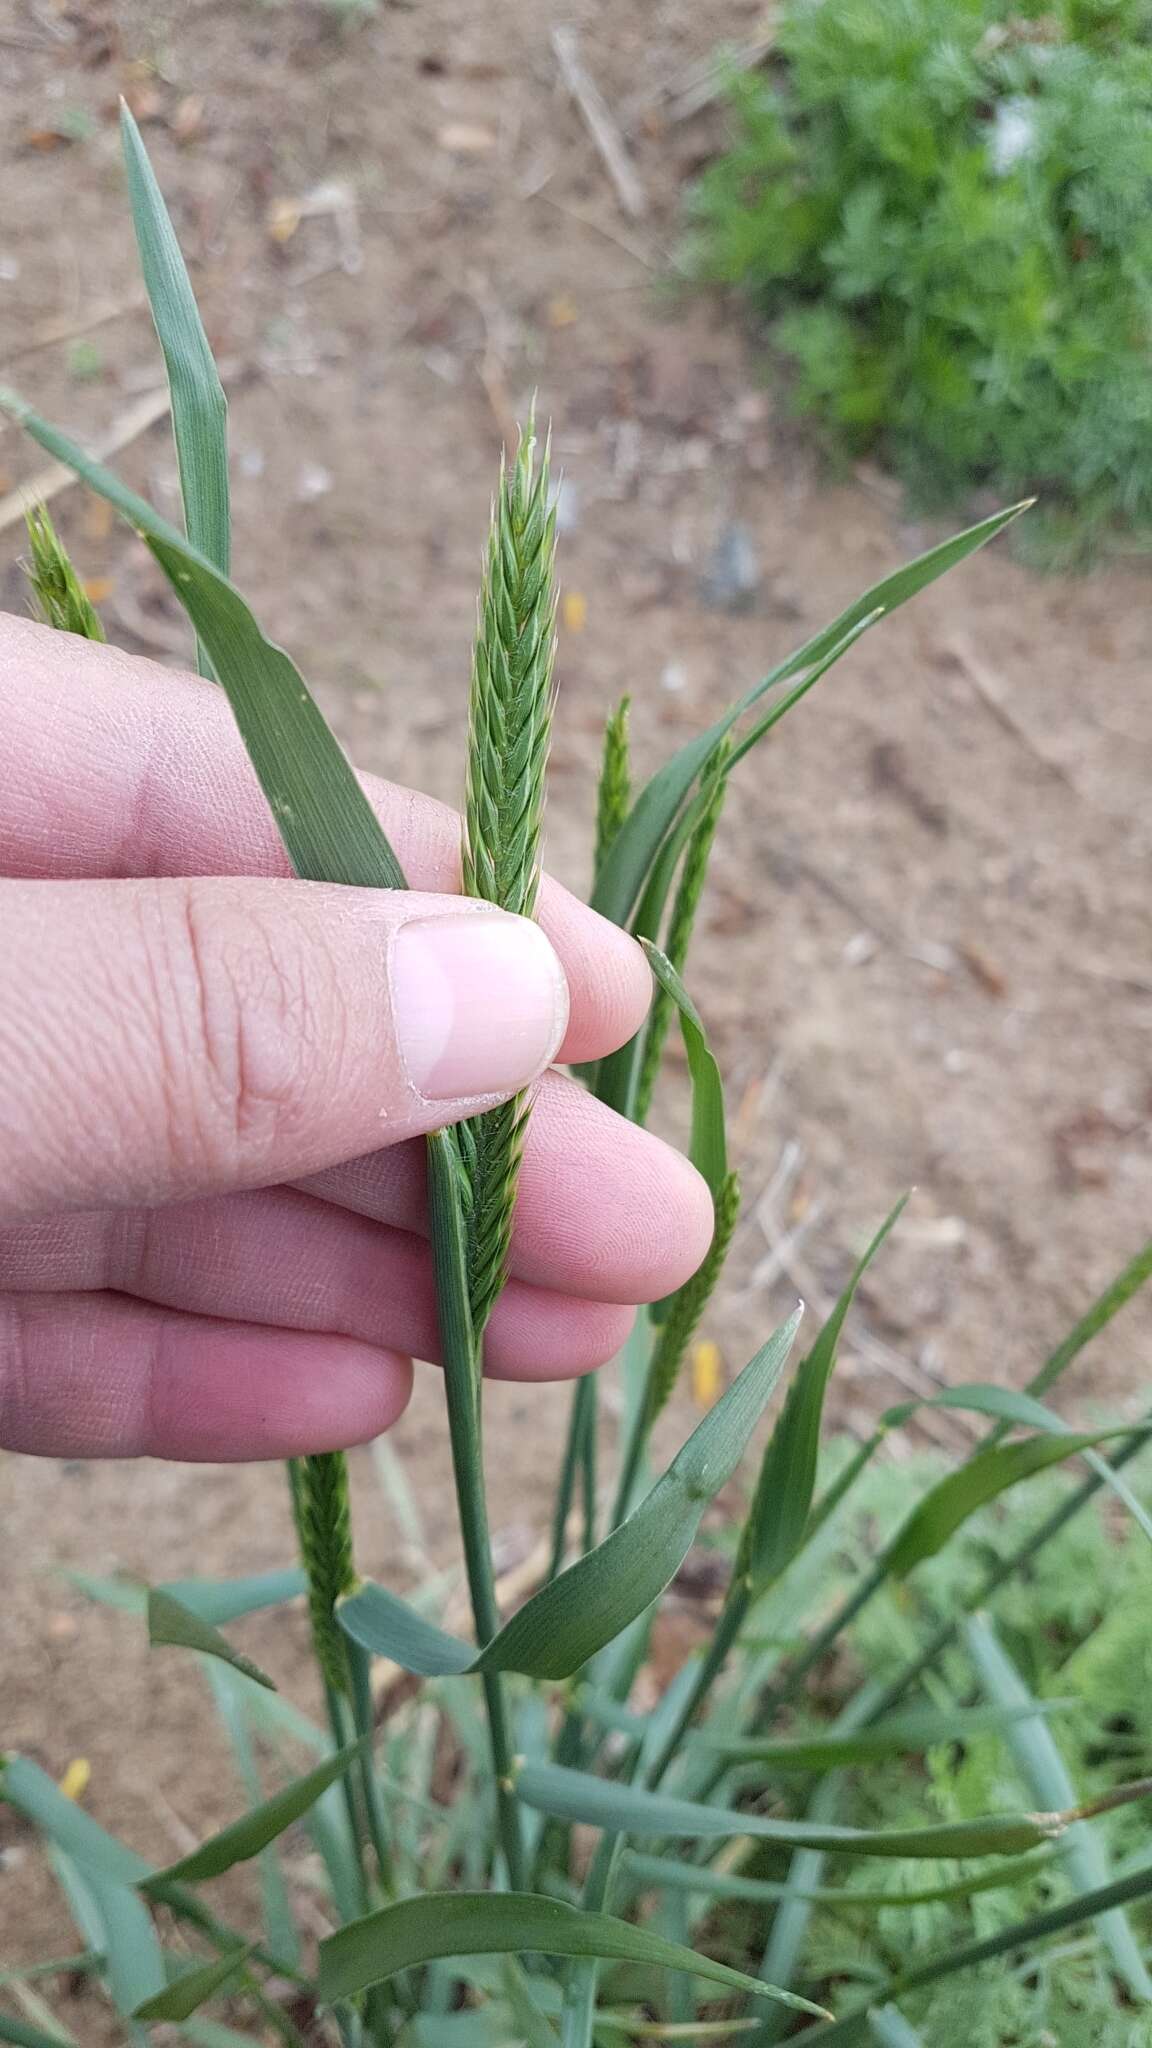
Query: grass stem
(462, 1384)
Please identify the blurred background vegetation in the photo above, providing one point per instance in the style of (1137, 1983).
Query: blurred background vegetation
(940, 209)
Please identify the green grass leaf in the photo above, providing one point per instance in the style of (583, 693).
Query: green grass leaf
(660, 1872)
(246, 1837)
(626, 1809)
(532, 2026)
(890, 2029)
(419, 1930)
(384, 1624)
(581, 1610)
(985, 1476)
(192, 1988)
(639, 839)
(781, 1505)
(21, 2035)
(199, 407)
(1047, 1778)
(906, 1734)
(40, 1800)
(213, 1600)
(708, 1148)
(119, 1924)
(171, 1623)
(323, 816)
(222, 1600)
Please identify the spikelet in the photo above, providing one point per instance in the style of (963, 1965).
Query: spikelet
(688, 1304)
(614, 794)
(59, 596)
(322, 1512)
(509, 727)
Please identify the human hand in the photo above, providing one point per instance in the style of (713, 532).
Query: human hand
(204, 1253)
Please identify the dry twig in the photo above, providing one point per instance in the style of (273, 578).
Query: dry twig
(989, 689)
(600, 122)
(69, 326)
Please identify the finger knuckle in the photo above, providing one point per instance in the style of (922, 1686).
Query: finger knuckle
(242, 1039)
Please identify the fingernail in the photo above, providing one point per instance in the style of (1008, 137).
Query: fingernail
(480, 1003)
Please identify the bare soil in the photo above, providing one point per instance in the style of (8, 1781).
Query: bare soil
(925, 957)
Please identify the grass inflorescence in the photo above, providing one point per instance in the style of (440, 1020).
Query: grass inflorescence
(510, 722)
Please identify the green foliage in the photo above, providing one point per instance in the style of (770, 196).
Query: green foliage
(941, 209)
(443, 1829)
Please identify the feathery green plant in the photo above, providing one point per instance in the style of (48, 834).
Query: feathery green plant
(536, 1725)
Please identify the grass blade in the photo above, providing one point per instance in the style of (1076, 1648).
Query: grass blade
(639, 839)
(192, 1989)
(1044, 1772)
(890, 2029)
(21, 2035)
(387, 1626)
(171, 1622)
(246, 1837)
(907, 1734)
(657, 1872)
(682, 1313)
(985, 1476)
(122, 1927)
(323, 816)
(708, 1148)
(1119, 1291)
(681, 924)
(213, 1600)
(577, 1613)
(233, 1702)
(422, 1929)
(587, 1606)
(601, 1803)
(199, 407)
(34, 1794)
(781, 1506)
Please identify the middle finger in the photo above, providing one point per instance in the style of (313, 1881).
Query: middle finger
(284, 1258)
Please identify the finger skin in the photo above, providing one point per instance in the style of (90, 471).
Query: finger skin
(604, 1209)
(285, 1258)
(157, 783)
(163, 1038)
(96, 1376)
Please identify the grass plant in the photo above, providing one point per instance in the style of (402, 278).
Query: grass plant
(516, 1853)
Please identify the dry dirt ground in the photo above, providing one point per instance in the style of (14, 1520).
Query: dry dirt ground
(925, 958)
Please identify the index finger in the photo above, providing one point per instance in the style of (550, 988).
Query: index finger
(117, 767)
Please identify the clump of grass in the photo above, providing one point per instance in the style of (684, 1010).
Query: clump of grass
(460, 1908)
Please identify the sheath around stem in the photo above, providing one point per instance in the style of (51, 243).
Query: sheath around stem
(510, 723)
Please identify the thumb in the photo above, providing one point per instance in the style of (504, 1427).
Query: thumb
(163, 1039)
